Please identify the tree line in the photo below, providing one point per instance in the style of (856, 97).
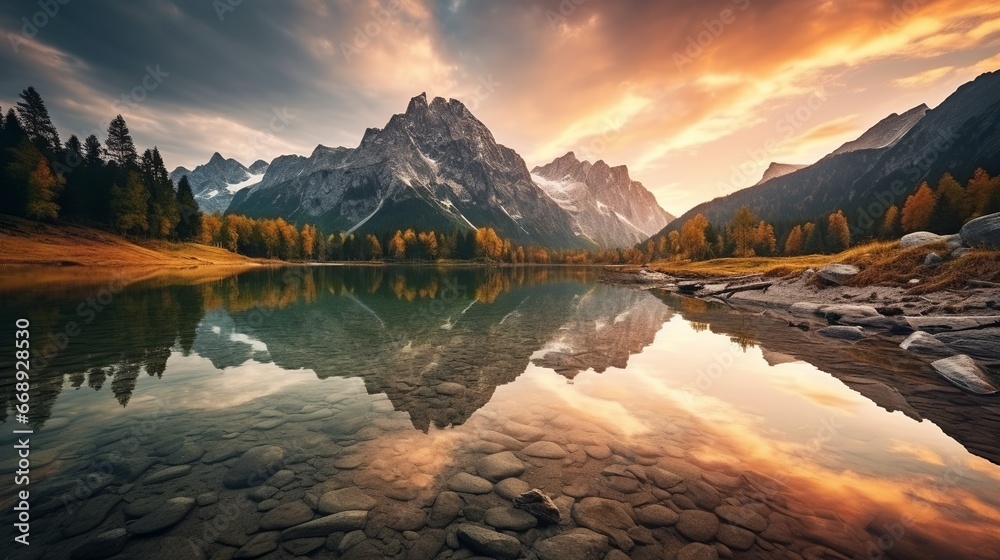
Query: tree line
(108, 185)
(940, 210)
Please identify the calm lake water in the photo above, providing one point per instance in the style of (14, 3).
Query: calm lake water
(216, 418)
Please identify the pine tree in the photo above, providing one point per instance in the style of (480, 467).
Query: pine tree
(120, 147)
(189, 226)
(92, 151)
(36, 121)
(164, 211)
(129, 206)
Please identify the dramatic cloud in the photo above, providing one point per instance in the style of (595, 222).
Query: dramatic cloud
(696, 98)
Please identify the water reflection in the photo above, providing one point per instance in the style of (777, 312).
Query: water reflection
(395, 382)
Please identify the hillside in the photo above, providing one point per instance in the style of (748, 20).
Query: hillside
(24, 242)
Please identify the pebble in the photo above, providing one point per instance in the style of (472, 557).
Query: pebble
(260, 545)
(743, 517)
(91, 514)
(576, 544)
(509, 518)
(167, 515)
(489, 542)
(469, 484)
(254, 467)
(656, 516)
(285, 516)
(545, 450)
(510, 488)
(446, 508)
(499, 466)
(698, 525)
(169, 473)
(102, 546)
(698, 551)
(339, 522)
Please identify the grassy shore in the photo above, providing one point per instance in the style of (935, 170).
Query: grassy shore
(881, 263)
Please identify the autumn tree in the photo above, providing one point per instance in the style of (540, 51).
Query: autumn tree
(374, 247)
(742, 230)
(489, 244)
(980, 191)
(838, 232)
(692, 238)
(428, 244)
(308, 241)
(764, 239)
(397, 246)
(36, 187)
(890, 223)
(811, 242)
(918, 209)
(211, 224)
(794, 243)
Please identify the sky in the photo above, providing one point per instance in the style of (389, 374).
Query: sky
(696, 98)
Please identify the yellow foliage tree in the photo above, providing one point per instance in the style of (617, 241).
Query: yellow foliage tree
(918, 209)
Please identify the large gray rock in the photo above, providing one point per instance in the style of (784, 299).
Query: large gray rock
(983, 232)
(499, 466)
(921, 238)
(255, 466)
(965, 373)
(577, 544)
(838, 273)
(921, 342)
(488, 542)
(167, 515)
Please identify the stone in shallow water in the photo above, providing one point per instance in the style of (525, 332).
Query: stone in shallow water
(507, 518)
(168, 473)
(698, 551)
(662, 478)
(207, 499)
(841, 332)
(510, 488)
(344, 521)
(281, 479)
(489, 542)
(536, 503)
(703, 494)
(261, 493)
(221, 451)
(260, 545)
(167, 515)
(469, 484)
(920, 342)
(255, 466)
(302, 547)
(500, 466)
(963, 372)
(286, 515)
(188, 453)
(698, 525)
(656, 516)
(406, 518)
(577, 544)
(735, 537)
(92, 514)
(345, 499)
(606, 517)
(545, 450)
(102, 546)
(446, 508)
(744, 517)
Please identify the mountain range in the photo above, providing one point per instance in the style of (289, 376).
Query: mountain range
(881, 167)
(215, 182)
(437, 167)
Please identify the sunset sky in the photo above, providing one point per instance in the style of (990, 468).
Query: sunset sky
(696, 98)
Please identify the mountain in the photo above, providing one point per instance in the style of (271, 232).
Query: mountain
(864, 177)
(607, 206)
(214, 183)
(886, 132)
(433, 167)
(777, 170)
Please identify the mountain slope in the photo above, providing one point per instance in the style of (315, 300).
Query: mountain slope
(433, 167)
(778, 170)
(606, 204)
(886, 132)
(958, 136)
(214, 183)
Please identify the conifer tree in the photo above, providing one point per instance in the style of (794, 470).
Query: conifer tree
(189, 226)
(129, 206)
(36, 121)
(120, 147)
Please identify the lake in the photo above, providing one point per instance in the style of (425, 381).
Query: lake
(396, 412)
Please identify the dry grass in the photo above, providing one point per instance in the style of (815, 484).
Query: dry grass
(881, 263)
(31, 243)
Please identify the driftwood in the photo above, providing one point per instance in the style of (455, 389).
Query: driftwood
(741, 288)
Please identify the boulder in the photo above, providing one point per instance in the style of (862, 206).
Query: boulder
(921, 238)
(838, 273)
(488, 542)
(536, 503)
(606, 517)
(841, 332)
(921, 342)
(499, 466)
(963, 372)
(577, 544)
(983, 232)
(980, 343)
(255, 466)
